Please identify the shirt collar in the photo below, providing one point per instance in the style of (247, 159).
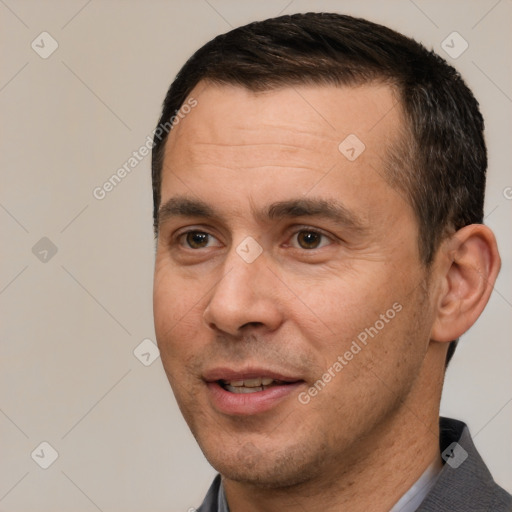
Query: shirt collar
(412, 499)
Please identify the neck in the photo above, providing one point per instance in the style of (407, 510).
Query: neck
(374, 474)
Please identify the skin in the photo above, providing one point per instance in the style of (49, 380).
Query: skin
(365, 438)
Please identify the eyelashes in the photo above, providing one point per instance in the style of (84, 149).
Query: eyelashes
(305, 238)
(195, 239)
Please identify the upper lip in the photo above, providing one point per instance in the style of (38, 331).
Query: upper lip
(229, 374)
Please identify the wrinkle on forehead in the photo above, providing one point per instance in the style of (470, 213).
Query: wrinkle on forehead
(245, 156)
(302, 126)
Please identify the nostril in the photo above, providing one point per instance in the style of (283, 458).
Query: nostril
(251, 325)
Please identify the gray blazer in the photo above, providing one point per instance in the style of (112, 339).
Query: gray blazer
(464, 484)
(467, 487)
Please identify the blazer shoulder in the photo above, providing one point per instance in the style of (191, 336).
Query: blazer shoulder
(464, 484)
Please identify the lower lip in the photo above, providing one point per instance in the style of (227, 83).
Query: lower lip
(249, 403)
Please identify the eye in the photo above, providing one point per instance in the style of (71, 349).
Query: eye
(309, 239)
(197, 240)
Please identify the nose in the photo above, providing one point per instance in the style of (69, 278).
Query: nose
(246, 295)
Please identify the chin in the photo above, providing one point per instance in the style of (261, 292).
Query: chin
(264, 477)
(266, 467)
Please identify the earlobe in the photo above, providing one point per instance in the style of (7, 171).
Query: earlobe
(470, 269)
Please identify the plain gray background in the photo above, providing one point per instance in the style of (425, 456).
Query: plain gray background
(72, 320)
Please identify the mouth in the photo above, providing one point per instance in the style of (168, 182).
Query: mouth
(248, 392)
(251, 385)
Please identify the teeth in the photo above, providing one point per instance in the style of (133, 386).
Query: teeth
(252, 383)
(249, 385)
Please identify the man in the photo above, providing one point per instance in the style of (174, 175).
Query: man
(318, 208)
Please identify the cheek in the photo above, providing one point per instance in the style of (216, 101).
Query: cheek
(174, 295)
(177, 315)
(370, 362)
(337, 308)
(372, 323)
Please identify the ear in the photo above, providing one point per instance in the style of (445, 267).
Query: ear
(469, 265)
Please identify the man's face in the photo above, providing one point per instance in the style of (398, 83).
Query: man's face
(280, 255)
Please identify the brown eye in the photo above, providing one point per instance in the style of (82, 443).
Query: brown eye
(197, 239)
(309, 239)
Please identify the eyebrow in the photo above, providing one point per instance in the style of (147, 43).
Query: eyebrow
(293, 208)
(184, 207)
(315, 208)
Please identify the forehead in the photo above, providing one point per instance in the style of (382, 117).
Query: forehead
(232, 115)
(286, 142)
